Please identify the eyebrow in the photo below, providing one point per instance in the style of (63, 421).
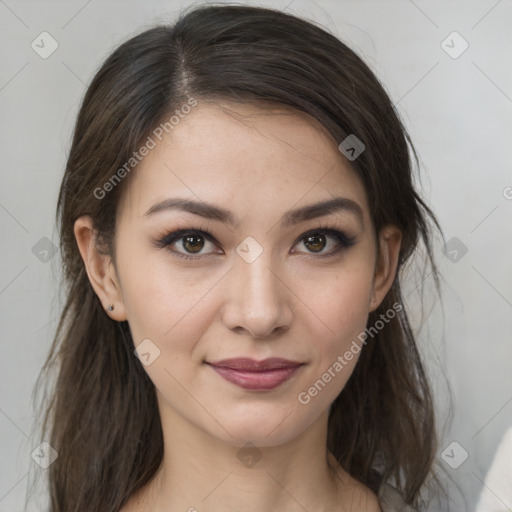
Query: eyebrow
(290, 218)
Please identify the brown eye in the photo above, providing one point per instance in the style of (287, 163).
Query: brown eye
(189, 243)
(193, 243)
(315, 243)
(325, 242)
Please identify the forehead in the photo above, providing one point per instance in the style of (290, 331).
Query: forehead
(245, 156)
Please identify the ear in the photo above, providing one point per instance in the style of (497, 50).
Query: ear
(99, 268)
(390, 238)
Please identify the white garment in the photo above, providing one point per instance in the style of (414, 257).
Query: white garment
(496, 495)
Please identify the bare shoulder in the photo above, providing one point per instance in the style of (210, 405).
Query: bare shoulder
(360, 497)
(128, 507)
(368, 500)
(132, 505)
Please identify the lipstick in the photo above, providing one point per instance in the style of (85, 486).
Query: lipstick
(256, 375)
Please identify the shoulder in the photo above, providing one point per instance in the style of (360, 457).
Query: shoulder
(352, 493)
(388, 498)
(368, 499)
(133, 504)
(361, 496)
(128, 507)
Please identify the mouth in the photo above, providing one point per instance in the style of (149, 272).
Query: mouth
(256, 375)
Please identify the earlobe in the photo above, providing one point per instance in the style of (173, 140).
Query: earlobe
(386, 265)
(100, 269)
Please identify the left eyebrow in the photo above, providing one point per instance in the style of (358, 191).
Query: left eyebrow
(313, 211)
(292, 217)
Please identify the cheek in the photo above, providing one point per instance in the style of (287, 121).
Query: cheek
(161, 302)
(168, 308)
(339, 306)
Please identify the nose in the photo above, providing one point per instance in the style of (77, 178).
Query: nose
(258, 299)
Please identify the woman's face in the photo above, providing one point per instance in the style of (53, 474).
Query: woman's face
(267, 282)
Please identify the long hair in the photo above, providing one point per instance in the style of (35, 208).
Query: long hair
(101, 414)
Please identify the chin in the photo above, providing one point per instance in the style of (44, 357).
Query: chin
(273, 426)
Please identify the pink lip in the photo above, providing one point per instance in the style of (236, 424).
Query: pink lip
(252, 374)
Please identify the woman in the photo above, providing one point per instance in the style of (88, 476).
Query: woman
(236, 208)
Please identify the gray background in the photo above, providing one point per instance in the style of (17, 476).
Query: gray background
(457, 111)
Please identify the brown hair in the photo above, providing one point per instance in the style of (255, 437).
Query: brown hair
(102, 415)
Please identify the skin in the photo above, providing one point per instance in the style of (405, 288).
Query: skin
(289, 302)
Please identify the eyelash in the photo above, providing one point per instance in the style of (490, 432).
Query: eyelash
(344, 241)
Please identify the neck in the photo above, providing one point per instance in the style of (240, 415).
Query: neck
(201, 472)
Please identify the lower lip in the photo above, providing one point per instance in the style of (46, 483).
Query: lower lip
(269, 379)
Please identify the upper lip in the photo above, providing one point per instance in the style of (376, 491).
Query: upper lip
(245, 363)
